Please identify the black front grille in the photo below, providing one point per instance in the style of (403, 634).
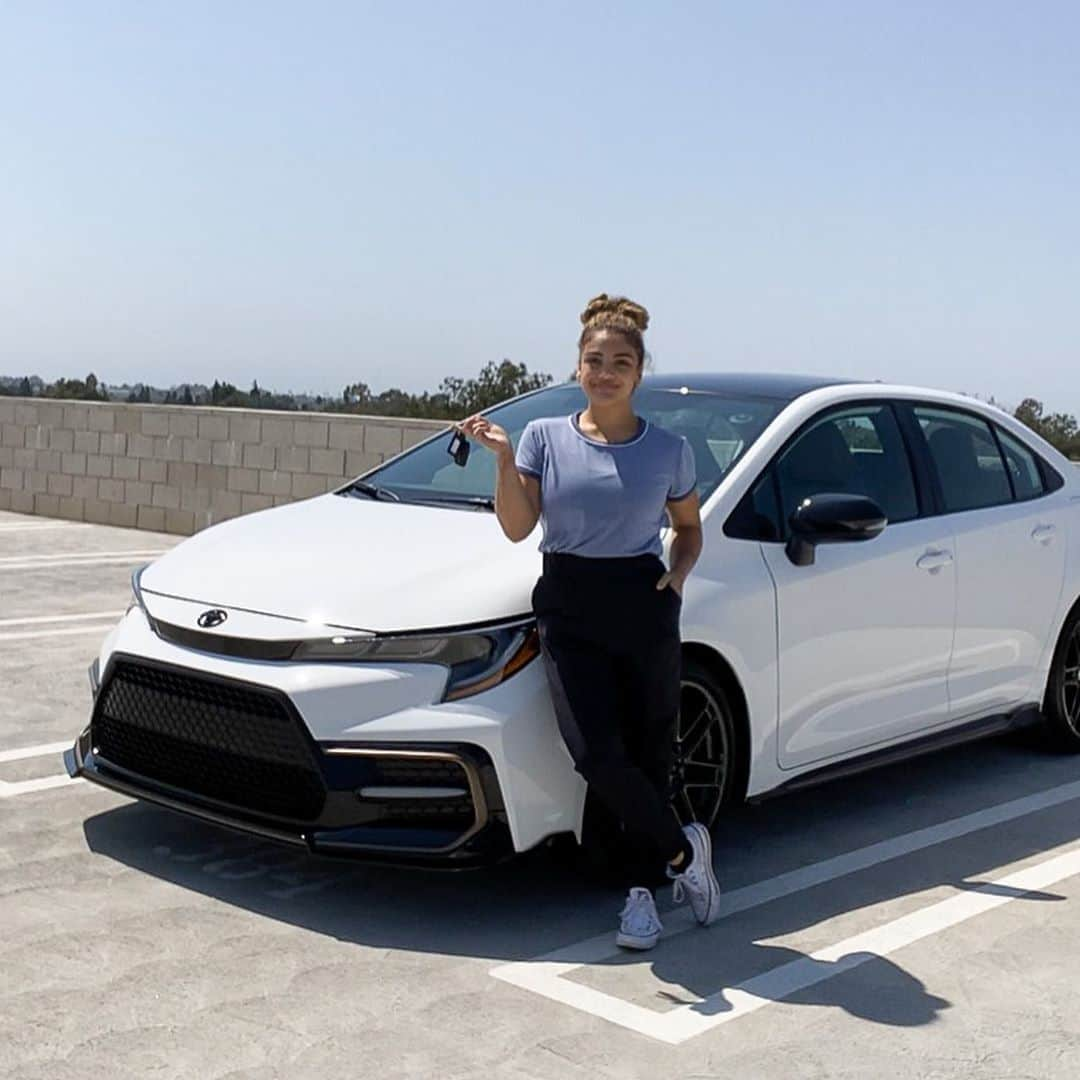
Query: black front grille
(212, 737)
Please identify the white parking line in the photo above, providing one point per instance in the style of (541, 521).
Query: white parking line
(78, 556)
(544, 975)
(41, 750)
(24, 787)
(108, 560)
(102, 627)
(38, 526)
(35, 620)
(10, 788)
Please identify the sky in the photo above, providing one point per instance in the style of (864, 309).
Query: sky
(314, 194)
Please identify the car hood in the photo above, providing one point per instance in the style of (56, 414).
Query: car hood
(355, 562)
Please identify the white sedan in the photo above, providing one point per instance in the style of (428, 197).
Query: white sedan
(886, 569)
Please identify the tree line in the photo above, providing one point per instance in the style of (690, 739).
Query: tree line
(455, 398)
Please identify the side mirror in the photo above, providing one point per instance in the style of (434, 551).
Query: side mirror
(832, 519)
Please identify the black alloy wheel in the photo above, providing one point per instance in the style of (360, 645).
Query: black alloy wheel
(706, 751)
(1062, 704)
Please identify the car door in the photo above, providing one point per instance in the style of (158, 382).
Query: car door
(1010, 551)
(865, 632)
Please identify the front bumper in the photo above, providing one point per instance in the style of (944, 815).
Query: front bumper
(238, 754)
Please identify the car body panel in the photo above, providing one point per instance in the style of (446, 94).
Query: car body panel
(864, 644)
(418, 567)
(1009, 590)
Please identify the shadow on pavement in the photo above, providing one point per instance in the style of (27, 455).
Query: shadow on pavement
(537, 903)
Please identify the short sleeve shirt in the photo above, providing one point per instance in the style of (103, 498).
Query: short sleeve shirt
(604, 499)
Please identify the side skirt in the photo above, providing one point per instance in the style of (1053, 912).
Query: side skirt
(1024, 716)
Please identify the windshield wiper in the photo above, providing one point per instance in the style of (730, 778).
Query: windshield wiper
(373, 491)
(484, 502)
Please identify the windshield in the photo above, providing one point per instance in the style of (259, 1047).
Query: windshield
(719, 428)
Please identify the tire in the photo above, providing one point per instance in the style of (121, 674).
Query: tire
(1061, 708)
(706, 776)
(709, 750)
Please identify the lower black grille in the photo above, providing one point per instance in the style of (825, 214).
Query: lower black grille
(224, 740)
(449, 811)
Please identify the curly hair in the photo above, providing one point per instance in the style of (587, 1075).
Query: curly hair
(616, 313)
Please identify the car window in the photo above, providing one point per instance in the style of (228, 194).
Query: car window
(1022, 464)
(966, 458)
(719, 428)
(853, 451)
(757, 516)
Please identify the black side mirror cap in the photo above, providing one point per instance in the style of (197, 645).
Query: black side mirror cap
(831, 518)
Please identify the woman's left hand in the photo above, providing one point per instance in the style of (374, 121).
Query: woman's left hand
(671, 579)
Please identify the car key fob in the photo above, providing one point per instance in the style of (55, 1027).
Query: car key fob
(459, 448)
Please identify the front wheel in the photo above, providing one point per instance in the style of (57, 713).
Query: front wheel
(705, 778)
(705, 761)
(1062, 705)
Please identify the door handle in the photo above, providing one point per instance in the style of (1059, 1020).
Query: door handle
(1043, 534)
(934, 560)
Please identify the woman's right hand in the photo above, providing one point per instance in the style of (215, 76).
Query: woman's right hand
(487, 434)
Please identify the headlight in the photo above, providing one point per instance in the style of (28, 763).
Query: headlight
(477, 660)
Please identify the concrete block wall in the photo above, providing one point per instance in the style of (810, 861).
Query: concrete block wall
(180, 468)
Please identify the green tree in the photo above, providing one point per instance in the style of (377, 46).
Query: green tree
(495, 383)
(1059, 429)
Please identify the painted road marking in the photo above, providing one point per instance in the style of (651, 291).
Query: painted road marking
(24, 787)
(91, 628)
(76, 556)
(731, 1003)
(34, 620)
(37, 526)
(544, 974)
(42, 750)
(112, 560)
(10, 788)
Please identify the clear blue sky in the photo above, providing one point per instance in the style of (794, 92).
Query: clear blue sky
(317, 193)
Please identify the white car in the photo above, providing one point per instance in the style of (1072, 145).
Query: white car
(886, 569)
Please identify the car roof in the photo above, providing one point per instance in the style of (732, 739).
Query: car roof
(746, 383)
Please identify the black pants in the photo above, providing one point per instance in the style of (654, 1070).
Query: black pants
(611, 649)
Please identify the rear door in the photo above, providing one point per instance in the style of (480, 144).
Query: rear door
(865, 633)
(1010, 550)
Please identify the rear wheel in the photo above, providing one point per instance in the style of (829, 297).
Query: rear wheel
(1062, 704)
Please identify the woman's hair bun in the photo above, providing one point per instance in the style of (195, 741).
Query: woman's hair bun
(617, 312)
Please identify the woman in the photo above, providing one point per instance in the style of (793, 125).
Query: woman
(607, 608)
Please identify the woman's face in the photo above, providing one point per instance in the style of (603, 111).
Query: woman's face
(608, 368)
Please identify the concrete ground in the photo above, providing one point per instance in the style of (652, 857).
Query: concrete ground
(920, 921)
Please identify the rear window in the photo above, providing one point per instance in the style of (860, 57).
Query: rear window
(969, 465)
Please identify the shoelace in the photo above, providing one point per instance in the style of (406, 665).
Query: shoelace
(639, 912)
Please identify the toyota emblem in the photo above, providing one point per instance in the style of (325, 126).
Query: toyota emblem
(213, 617)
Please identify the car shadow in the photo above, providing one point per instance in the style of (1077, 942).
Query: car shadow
(540, 902)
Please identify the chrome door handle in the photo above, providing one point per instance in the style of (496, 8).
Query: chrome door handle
(934, 560)
(1043, 534)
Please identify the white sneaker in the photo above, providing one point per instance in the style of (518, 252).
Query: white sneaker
(698, 883)
(640, 926)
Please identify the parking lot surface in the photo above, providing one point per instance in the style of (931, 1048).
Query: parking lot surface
(918, 921)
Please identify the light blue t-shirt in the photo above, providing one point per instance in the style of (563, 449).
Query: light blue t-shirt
(604, 499)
